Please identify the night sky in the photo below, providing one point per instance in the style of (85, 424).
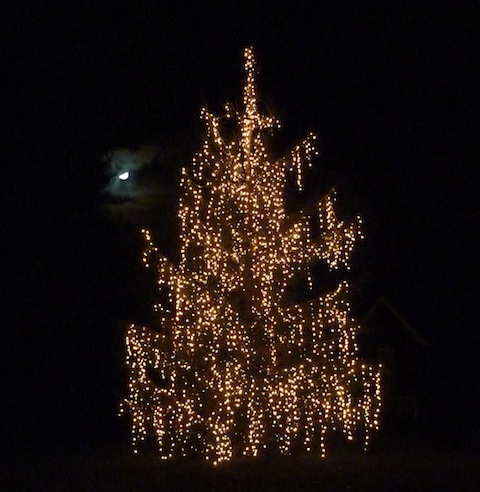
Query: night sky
(390, 92)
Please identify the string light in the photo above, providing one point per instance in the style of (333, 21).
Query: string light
(237, 367)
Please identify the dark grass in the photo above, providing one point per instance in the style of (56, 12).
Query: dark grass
(384, 468)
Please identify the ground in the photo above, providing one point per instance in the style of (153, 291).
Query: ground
(384, 468)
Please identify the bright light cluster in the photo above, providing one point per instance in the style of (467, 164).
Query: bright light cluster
(237, 366)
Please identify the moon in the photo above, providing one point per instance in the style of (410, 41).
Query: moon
(124, 176)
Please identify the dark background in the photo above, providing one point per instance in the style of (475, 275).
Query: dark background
(391, 93)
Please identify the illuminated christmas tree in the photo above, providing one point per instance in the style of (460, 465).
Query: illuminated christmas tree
(237, 366)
